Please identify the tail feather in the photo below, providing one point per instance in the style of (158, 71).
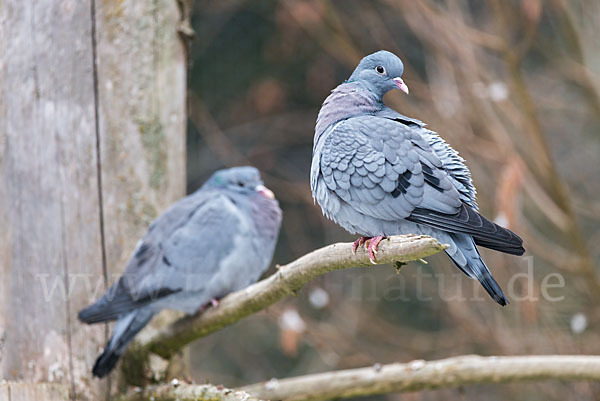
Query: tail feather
(501, 246)
(118, 302)
(489, 283)
(468, 259)
(125, 330)
(105, 363)
(468, 221)
(95, 314)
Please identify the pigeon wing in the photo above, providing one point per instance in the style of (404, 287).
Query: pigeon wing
(452, 162)
(384, 170)
(175, 255)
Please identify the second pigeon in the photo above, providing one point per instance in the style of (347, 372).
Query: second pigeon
(215, 241)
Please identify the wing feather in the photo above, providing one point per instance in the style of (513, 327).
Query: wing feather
(175, 242)
(396, 169)
(382, 170)
(468, 221)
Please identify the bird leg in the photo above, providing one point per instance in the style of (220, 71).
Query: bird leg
(359, 242)
(212, 303)
(372, 247)
(371, 243)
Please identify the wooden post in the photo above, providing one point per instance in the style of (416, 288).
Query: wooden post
(92, 148)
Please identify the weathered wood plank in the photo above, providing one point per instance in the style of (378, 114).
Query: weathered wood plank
(50, 235)
(50, 215)
(141, 85)
(36, 391)
(142, 97)
(4, 392)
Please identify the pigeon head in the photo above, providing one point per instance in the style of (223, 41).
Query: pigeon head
(380, 72)
(240, 180)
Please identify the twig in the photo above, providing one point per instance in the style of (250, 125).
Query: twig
(286, 281)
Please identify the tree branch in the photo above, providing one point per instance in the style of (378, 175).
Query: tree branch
(205, 392)
(421, 375)
(287, 280)
(413, 376)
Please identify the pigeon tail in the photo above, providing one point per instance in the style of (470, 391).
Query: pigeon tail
(105, 363)
(489, 283)
(96, 313)
(125, 330)
(118, 301)
(468, 259)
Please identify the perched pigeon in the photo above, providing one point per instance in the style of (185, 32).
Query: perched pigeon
(218, 240)
(376, 172)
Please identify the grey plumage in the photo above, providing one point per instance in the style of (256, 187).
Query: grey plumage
(376, 172)
(217, 240)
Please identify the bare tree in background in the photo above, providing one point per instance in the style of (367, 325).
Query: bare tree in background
(512, 85)
(92, 119)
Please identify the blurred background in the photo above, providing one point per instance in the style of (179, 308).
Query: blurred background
(512, 85)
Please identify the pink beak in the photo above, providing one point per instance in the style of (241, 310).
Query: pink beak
(401, 85)
(264, 191)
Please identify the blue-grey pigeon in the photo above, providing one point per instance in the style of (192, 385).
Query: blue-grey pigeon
(217, 240)
(376, 173)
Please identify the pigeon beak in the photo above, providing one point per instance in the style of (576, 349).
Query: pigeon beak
(264, 191)
(401, 85)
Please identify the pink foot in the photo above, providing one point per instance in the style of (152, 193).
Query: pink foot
(372, 247)
(358, 242)
(213, 303)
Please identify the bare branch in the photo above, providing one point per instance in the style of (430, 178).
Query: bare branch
(421, 375)
(401, 377)
(203, 392)
(289, 279)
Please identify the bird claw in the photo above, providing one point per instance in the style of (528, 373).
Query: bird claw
(371, 243)
(372, 247)
(212, 303)
(357, 243)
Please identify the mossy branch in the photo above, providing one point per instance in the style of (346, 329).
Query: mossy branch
(404, 377)
(183, 392)
(286, 281)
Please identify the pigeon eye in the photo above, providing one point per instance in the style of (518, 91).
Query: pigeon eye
(240, 184)
(380, 69)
